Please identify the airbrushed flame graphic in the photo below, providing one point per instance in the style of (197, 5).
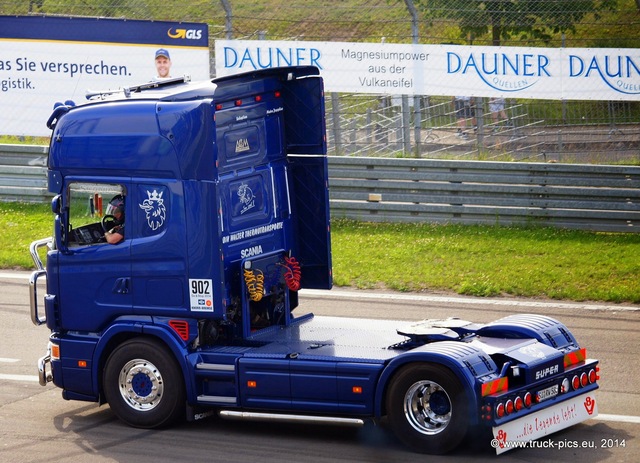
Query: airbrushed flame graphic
(155, 209)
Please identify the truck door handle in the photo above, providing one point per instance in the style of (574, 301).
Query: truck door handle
(121, 286)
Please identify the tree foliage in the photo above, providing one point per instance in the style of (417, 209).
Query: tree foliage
(507, 19)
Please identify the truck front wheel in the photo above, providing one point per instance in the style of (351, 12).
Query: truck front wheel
(427, 408)
(143, 384)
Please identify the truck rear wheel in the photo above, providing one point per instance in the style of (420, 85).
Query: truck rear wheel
(427, 408)
(143, 384)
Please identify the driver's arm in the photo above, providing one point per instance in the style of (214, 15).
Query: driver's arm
(114, 235)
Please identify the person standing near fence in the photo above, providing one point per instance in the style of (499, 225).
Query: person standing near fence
(498, 113)
(463, 107)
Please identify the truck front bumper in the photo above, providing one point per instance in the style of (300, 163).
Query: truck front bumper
(44, 374)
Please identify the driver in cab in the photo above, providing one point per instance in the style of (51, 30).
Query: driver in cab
(116, 209)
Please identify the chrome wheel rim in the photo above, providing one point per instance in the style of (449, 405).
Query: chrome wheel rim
(427, 407)
(141, 385)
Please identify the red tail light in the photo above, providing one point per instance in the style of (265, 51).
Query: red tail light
(575, 382)
(519, 403)
(509, 407)
(584, 379)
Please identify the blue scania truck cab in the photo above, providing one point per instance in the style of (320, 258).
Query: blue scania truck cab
(221, 192)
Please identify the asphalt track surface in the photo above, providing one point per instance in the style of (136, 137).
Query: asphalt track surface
(37, 425)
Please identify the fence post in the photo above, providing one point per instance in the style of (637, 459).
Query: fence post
(228, 24)
(335, 120)
(479, 111)
(406, 125)
(368, 130)
(417, 116)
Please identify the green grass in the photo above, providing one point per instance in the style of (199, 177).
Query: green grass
(472, 260)
(488, 261)
(21, 224)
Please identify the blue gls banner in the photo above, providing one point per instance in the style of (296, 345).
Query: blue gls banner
(44, 60)
(105, 30)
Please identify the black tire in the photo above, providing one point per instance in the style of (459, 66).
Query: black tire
(427, 408)
(143, 384)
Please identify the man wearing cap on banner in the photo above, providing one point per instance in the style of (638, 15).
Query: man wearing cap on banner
(163, 64)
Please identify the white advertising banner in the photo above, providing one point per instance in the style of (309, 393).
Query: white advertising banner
(44, 60)
(447, 70)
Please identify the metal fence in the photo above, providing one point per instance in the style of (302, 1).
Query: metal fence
(387, 126)
(23, 173)
(591, 197)
(364, 126)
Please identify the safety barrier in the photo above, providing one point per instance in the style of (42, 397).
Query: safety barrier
(23, 173)
(591, 197)
(576, 196)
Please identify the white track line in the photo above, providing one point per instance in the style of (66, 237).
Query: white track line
(464, 300)
(618, 418)
(27, 378)
(424, 298)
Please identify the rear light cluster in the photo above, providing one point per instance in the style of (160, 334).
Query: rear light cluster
(580, 379)
(505, 406)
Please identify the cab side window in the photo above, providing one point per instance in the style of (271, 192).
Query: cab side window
(90, 212)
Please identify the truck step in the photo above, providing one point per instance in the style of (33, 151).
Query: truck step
(209, 399)
(215, 367)
(281, 417)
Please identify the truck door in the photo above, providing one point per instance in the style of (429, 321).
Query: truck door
(158, 250)
(93, 276)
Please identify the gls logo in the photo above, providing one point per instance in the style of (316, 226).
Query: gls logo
(189, 34)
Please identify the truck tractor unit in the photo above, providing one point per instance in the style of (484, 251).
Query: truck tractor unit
(220, 191)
